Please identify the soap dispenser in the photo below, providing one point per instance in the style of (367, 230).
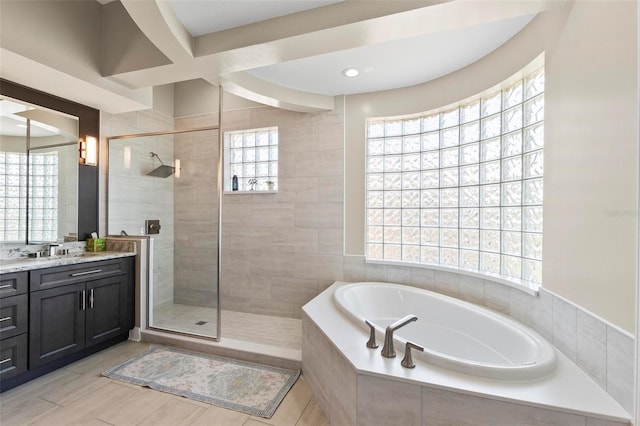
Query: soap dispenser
(234, 183)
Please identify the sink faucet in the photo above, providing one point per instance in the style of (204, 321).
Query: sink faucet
(387, 349)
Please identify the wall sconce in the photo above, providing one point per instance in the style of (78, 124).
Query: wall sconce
(89, 151)
(176, 168)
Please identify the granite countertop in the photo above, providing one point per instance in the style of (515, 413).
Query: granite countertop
(26, 263)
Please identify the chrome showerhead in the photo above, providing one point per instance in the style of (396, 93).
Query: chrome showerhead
(163, 170)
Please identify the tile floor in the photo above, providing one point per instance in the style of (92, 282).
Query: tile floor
(263, 329)
(79, 395)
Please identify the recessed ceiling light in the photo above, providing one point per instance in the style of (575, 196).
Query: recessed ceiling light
(350, 72)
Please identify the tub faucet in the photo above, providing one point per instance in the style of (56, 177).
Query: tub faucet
(387, 349)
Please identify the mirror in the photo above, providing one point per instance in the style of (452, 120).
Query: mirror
(38, 173)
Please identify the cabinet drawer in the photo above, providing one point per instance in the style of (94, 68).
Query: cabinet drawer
(13, 356)
(42, 279)
(13, 284)
(14, 315)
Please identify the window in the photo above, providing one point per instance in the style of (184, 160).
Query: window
(43, 188)
(251, 156)
(461, 187)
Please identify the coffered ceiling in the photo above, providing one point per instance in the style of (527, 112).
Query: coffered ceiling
(286, 53)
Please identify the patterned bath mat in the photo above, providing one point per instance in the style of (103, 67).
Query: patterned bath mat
(247, 387)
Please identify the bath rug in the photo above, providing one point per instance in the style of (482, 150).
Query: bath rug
(243, 386)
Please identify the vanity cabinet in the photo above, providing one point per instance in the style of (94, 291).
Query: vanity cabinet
(53, 316)
(73, 308)
(14, 306)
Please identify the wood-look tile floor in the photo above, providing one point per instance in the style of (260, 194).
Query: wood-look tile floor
(79, 395)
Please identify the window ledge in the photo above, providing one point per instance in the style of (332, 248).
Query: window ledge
(250, 192)
(518, 284)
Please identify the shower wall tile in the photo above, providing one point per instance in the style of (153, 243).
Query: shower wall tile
(318, 215)
(318, 266)
(295, 240)
(331, 137)
(297, 291)
(330, 241)
(298, 189)
(272, 215)
(271, 263)
(245, 285)
(134, 196)
(299, 139)
(235, 215)
(297, 232)
(321, 163)
(330, 189)
(246, 239)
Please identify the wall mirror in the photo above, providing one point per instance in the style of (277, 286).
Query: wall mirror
(38, 173)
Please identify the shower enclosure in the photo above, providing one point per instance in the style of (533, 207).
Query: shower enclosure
(172, 177)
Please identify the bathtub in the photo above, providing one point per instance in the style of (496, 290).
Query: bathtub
(456, 335)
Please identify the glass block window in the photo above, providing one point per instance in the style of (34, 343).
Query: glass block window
(43, 188)
(461, 187)
(13, 197)
(252, 156)
(43, 196)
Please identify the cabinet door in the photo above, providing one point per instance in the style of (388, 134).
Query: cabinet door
(57, 326)
(13, 357)
(106, 309)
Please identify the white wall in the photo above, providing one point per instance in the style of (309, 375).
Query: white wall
(591, 147)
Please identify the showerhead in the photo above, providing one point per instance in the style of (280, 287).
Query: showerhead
(163, 170)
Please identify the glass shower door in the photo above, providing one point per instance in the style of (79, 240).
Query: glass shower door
(172, 178)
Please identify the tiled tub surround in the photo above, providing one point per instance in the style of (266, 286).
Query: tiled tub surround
(367, 389)
(602, 350)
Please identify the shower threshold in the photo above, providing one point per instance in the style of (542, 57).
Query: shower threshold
(268, 339)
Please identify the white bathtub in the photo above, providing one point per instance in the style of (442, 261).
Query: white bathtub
(455, 334)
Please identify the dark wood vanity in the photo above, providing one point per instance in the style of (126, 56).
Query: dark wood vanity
(51, 317)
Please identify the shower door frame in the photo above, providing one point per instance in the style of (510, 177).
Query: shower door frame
(218, 127)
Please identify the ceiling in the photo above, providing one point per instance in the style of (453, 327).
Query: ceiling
(382, 66)
(201, 17)
(284, 53)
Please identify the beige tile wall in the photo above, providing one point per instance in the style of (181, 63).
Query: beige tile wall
(281, 250)
(196, 216)
(135, 197)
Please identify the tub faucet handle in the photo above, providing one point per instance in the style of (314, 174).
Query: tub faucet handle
(407, 361)
(387, 349)
(372, 336)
